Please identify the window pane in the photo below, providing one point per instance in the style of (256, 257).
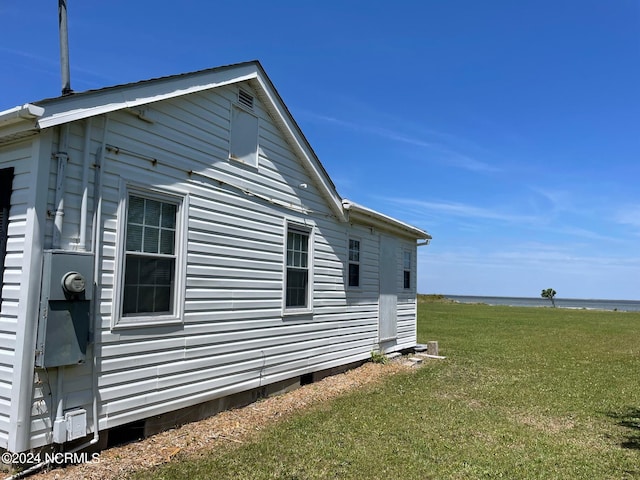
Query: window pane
(167, 242)
(145, 299)
(148, 285)
(163, 273)
(134, 238)
(354, 275)
(136, 209)
(130, 299)
(132, 271)
(296, 288)
(407, 260)
(152, 213)
(151, 239)
(407, 279)
(168, 215)
(354, 250)
(147, 267)
(162, 299)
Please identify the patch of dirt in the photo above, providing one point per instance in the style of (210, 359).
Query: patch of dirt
(229, 427)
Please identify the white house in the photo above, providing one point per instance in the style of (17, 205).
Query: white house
(174, 242)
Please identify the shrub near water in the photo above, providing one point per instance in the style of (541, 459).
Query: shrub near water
(524, 393)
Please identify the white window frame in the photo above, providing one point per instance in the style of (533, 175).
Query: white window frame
(350, 262)
(176, 316)
(308, 230)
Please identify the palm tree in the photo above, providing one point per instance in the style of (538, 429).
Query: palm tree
(549, 293)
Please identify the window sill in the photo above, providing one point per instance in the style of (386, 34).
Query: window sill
(126, 323)
(292, 312)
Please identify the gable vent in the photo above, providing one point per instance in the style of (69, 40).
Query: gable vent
(245, 99)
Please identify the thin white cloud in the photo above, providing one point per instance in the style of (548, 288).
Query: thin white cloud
(445, 153)
(51, 65)
(471, 213)
(629, 215)
(532, 256)
(464, 210)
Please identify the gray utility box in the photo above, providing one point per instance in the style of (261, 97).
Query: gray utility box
(65, 306)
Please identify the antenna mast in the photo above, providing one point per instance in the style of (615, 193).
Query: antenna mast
(64, 47)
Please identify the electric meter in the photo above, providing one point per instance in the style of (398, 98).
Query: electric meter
(73, 283)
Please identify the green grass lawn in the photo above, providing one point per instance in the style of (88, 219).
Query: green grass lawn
(524, 393)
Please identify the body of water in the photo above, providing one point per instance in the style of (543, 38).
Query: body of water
(620, 305)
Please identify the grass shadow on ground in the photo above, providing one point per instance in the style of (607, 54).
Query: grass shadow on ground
(630, 419)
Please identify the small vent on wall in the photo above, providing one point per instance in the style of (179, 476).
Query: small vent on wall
(245, 99)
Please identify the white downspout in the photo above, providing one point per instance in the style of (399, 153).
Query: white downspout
(84, 205)
(59, 431)
(63, 157)
(96, 236)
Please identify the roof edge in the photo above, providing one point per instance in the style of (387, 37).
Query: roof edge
(372, 216)
(21, 113)
(19, 122)
(64, 109)
(69, 108)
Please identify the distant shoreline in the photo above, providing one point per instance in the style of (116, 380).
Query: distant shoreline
(571, 303)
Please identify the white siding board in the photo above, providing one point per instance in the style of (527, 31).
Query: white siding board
(132, 410)
(156, 400)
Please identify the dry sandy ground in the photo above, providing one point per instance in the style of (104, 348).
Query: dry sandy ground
(229, 427)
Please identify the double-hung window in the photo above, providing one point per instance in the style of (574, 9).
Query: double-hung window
(407, 269)
(298, 264)
(151, 256)
(354, 263)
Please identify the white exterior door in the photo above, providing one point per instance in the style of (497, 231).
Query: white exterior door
(388, 303)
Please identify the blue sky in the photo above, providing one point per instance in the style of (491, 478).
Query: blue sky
(510, 130)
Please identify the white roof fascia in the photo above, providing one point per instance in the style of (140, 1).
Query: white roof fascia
(374, 218)
(19, 121)
(20, 113)
(300, 143)
(70, 108)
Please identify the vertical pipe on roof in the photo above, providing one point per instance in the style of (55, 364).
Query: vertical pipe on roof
(64, 47)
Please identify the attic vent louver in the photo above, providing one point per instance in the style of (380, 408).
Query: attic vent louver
(245, 99)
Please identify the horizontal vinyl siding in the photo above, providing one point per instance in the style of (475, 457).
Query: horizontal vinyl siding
(233, 336)
(18, 156)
